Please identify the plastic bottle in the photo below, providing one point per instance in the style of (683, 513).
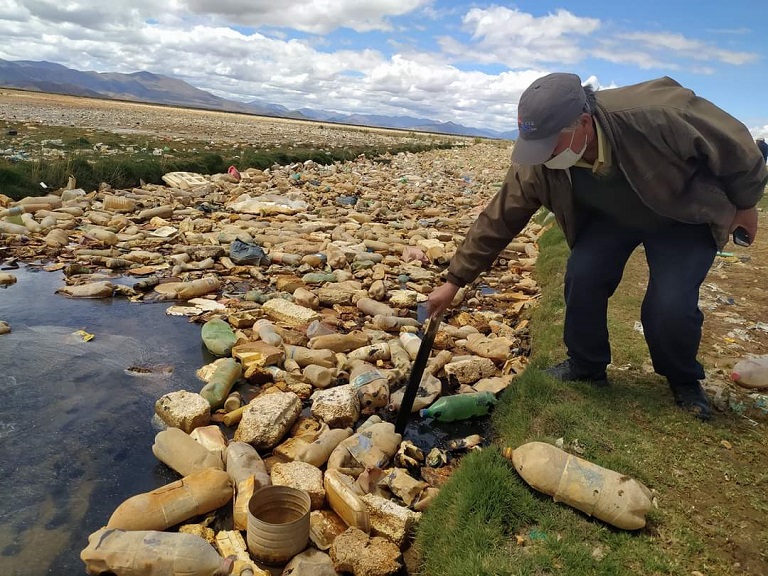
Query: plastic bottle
(319, 376)
(318, 452)
(341, 497)
(56, 238)
(212, 439)
(398, 356)
(429, 389)
(152, 553)
(221, 382)
(266, 331)
(218, 337)
(193, 495)
(232, 418)
(304, 297)
(248, 473)
(317, 260)
(371, 352)
(340, 342)
(179, 451)
(460, 406)
(317, 328)
(244, 461)
(10, 228)
(7, 279)
(159, 211)
(233, 402)
(12, 211)
(284, 258)
(607, 495)
(411, 343)
(291, 366)
(371, 385)
(118, 204)
(751, 372)
(373, 445)
(32, 225)
(197, 288)
(373, 308)
(305, 356)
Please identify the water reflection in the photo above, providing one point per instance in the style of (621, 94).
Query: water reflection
(75, 429)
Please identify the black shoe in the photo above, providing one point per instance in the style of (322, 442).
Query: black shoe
(566, 371)
(690, 396)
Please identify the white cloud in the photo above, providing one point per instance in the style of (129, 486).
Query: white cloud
(681, 46)
(518, 39)
(760, 131)
(611, 51)
(315, 16)
(244, 50)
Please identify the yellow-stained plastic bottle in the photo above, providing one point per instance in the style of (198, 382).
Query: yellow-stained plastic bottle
(607, 495)
(223, 379)
(196, 494)
(152, 553)
(178, 450)
(342, 498)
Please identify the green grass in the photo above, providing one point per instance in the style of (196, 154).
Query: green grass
(130, 159)
(711, 501)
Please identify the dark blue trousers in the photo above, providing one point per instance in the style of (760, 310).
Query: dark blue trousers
(679, 257)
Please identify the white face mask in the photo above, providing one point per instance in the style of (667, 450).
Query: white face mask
(567, 157)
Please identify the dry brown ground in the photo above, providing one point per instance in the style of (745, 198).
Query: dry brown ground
(740, 280)
(202, 125)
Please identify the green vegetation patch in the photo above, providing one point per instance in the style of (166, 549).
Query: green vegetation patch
(50, 154)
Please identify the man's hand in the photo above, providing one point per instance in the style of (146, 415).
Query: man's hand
(746, 219)
(441, 297)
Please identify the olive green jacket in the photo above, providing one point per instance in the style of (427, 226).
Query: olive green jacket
(686, 158)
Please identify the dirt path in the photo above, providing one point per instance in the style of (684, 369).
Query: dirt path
(735, 303)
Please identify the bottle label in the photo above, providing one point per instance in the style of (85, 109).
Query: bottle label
(366, 378)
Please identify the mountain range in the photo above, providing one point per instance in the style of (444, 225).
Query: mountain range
(160, 89)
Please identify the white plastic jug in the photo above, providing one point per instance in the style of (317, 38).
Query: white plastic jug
(751, 372)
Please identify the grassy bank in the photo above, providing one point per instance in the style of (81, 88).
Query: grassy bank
(122, 161)
(710, 479)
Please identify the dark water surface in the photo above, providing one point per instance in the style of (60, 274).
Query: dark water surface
(75, 431)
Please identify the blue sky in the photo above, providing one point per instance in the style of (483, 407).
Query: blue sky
(465, 62)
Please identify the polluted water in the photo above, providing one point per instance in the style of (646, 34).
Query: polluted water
(75, 426)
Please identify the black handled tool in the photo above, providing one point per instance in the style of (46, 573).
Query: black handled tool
(417, 371)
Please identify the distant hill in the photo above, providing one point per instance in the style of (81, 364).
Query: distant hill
(159, 89)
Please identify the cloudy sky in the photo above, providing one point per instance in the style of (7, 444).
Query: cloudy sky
(446, 60)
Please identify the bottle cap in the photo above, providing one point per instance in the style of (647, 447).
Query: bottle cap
(423, 412)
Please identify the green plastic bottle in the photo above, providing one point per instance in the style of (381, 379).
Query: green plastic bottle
(460, 406)
(218, 336)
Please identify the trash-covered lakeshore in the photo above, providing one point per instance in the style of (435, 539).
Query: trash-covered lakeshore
(191, 366)
(315, 274)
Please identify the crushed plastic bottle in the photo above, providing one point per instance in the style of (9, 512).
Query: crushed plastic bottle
(218, 387)
(218, 337)
(196, 494)
(152, 553)
(607, 495)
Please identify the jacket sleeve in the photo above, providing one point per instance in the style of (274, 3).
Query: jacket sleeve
(502, 219)
(717, 140)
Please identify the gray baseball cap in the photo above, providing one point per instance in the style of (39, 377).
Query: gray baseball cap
(547, 106)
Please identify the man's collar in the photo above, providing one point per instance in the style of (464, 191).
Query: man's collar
(603, 161)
